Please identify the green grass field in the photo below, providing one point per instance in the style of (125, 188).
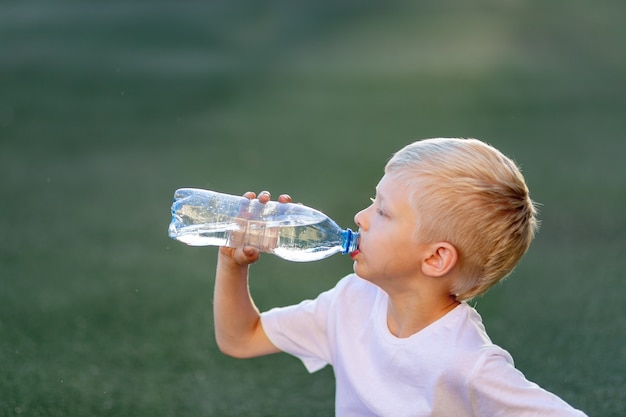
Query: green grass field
(107, 108)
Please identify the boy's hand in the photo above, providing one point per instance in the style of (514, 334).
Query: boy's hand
(248, 254)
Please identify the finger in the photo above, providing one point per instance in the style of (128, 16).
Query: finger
(251, 195)
(284, 198)
(241, 256)
(250, 255)
(264, 196)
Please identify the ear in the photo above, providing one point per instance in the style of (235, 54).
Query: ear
(441, 258)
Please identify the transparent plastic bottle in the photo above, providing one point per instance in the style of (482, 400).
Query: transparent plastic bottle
(291, 231)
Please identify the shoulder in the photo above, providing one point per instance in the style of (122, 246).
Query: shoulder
(471, 335)
(469, 347)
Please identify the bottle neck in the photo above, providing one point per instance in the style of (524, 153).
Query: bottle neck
(350, 241)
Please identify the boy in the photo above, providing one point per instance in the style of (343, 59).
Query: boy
(451, 218)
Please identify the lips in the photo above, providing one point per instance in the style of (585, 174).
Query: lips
(354, 254)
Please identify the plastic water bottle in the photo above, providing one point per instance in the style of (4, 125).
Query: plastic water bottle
(291, 231)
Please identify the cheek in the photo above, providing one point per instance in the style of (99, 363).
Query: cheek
(403, 262)
(403, 247)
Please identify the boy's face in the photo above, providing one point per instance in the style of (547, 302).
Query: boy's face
(389, 253)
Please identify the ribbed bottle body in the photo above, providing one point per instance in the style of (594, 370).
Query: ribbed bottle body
(291, 231)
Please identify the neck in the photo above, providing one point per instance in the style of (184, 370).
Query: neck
(407, 315)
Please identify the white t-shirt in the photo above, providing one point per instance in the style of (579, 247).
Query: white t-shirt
(450, 368)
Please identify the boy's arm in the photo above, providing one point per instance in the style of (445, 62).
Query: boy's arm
(238, 328)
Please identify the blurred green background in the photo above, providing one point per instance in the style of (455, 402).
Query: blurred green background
(107, 107)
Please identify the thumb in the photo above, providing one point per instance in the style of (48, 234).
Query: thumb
(246, 255)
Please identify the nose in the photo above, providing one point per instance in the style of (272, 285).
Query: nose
(360, 218)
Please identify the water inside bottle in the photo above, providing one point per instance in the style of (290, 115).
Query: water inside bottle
(200, 235)
(309, 243)
(301, 243)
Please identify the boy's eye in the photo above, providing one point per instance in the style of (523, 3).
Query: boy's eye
(379, 211)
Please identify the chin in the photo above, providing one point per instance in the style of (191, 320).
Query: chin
(360, 272)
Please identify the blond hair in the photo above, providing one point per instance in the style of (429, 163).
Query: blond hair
(473, 197)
